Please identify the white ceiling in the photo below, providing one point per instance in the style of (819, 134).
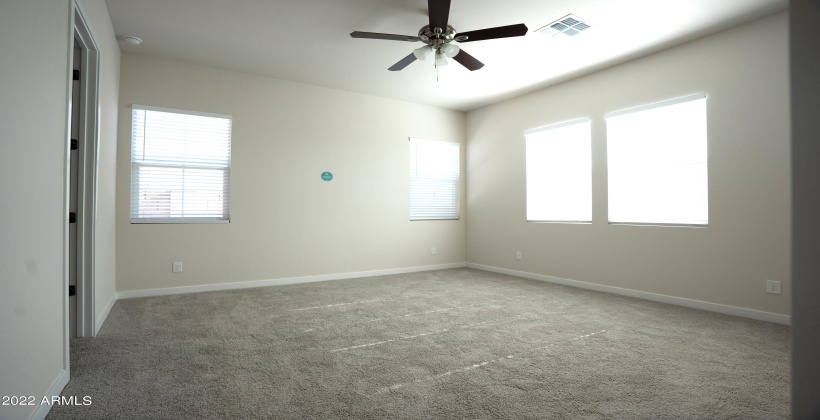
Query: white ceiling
(308, 41)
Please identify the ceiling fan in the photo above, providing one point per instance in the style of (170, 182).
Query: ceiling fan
(440, 38)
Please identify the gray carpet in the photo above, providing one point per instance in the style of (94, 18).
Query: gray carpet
(456, 343)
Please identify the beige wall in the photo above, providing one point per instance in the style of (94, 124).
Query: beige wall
(34, 44)
(286, 221)
(96, 14)
(744, 72)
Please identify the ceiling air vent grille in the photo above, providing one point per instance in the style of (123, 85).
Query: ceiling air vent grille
(569, 25)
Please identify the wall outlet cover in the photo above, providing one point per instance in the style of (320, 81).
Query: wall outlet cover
(773, 286)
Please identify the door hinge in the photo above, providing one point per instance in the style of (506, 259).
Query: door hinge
(72, 217)
(76, 75)
(72, 290)
(75, 144)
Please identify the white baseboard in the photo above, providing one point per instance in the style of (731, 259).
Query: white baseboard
(104, 314)
(129, 294)
(55, 391)
(689, 303)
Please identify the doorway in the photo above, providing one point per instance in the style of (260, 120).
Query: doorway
(74, 167)
(81, 191)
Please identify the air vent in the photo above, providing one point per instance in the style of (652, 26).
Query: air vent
(569, 25)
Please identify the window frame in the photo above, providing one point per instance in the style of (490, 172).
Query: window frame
(455, 211)
(577, 121)
(610, 151)
(134, 184)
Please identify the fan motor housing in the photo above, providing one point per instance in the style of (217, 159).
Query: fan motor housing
(435, 36)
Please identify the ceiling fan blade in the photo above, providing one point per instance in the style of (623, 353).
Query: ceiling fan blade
(404, 62)
(439, 13)
(468, 61)
(493, 33)
(376, 35)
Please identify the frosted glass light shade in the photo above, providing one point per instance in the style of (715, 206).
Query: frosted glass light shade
(423, 52)
(450, 50)
(440, 60)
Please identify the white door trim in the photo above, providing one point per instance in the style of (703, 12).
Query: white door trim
(87, 180)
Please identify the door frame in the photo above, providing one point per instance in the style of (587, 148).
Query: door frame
(88, 158)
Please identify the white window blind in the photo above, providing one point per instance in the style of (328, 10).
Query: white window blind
(657, 163)
(434, 175)
(180, 166)
(559, 172)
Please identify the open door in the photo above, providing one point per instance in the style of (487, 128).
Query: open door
(82, 186)
(74, 167)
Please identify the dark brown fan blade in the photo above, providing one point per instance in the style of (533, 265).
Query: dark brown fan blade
(376, 35)
(493, 33)
(439, 13)
(468, 61)
(404, 62)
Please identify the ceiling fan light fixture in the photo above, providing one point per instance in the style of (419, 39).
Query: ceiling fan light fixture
(438, 36)
(423, 52)
(450, 50)
(441, 60)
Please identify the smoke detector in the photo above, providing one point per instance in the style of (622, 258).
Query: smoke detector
(569, 25)
(131, 40)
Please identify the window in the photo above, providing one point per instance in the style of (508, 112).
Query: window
(434, 174)
(657, 163)
(559, 172)
(180, 166)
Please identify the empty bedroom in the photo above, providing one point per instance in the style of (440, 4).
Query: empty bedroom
(409, 209)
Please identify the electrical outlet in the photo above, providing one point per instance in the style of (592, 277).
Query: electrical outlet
(518, 255)
(433, 251)
(177, 268)
(773, 286)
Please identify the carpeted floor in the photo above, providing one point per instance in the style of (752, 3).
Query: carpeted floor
(456, 343)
